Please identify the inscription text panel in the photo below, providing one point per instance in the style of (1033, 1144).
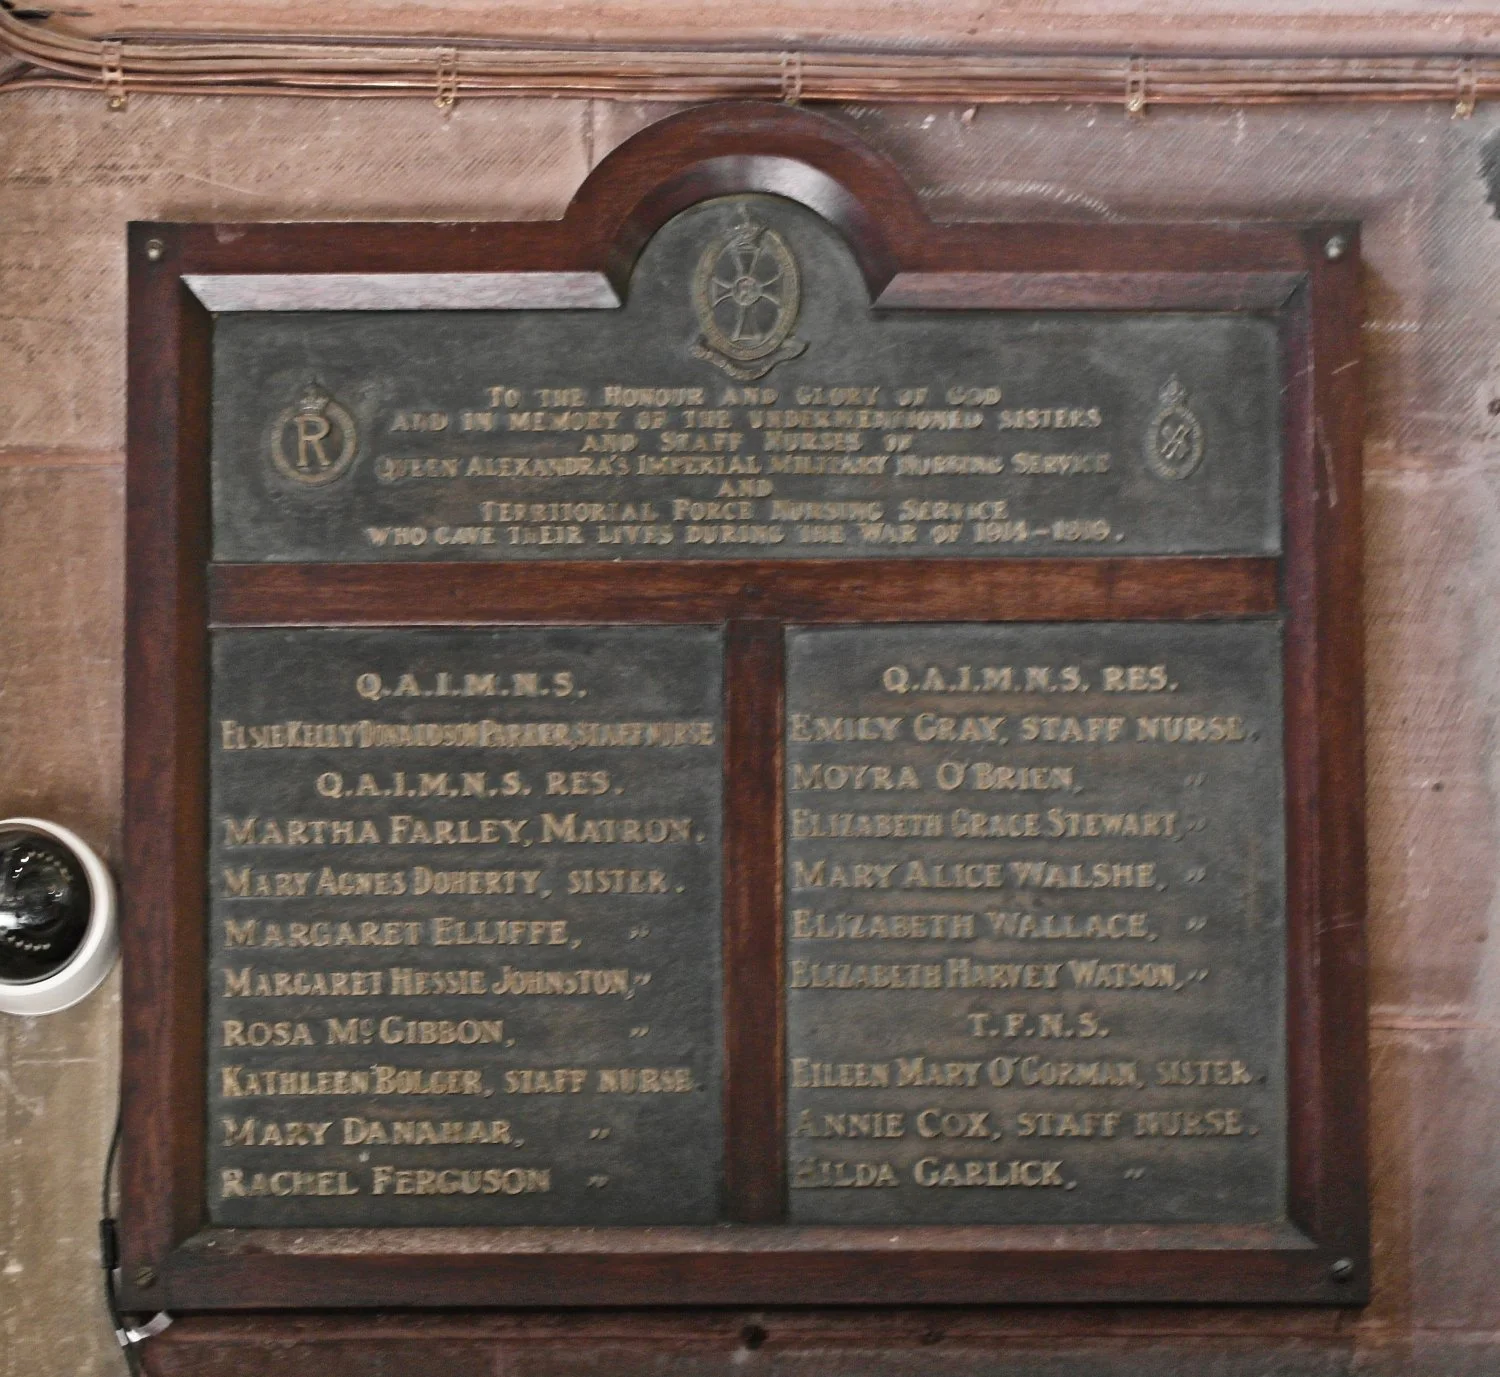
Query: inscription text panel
(1035, 926)
(745, 402)
(464, 927)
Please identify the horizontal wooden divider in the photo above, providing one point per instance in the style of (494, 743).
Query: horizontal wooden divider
(947, 590)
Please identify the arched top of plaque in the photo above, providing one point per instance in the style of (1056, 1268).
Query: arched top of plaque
(748, 251)
(736, 147)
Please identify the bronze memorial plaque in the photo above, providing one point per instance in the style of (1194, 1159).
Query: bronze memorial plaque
(464, 926)
(1035, 924)
(745, 401)
(743, 747)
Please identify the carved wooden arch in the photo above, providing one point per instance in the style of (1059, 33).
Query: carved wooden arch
(584, 259)
(748, 146)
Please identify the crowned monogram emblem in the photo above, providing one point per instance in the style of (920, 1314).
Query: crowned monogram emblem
(747, 292)
(313, 442)
(1174, 438)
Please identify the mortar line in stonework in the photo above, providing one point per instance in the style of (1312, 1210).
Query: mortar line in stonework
(1430, 470)
(1378, 1329)
(56, 1061)
(1420, 1024)
(18, 458)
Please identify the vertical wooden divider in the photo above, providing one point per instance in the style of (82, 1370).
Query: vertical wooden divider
(754, 1012)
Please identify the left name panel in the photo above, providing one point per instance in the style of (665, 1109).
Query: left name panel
(464, 955)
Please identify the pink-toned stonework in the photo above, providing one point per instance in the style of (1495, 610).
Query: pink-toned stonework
(72, 173)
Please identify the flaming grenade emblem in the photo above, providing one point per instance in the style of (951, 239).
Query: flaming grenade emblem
(747, 293)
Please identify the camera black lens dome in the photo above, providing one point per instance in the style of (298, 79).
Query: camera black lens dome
(44, 905)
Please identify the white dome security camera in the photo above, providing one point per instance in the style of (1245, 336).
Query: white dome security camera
(57, 917)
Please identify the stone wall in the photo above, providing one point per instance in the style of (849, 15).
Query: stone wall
(72, 173)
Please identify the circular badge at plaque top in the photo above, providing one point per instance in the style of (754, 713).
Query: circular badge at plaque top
(313, 442)
(747, 292)
(1174, 438)
(57, 917)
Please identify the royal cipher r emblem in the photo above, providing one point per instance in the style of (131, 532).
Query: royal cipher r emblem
(747, 293)
(313, 442)
(1174, 436)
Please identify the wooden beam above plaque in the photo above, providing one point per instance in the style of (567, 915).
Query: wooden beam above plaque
(743, 746)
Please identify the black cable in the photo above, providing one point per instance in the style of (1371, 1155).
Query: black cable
(109, 1253)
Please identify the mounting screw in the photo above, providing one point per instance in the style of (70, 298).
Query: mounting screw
(1342, 1269)
(154, 250)
(145, 1276)
(1335, 248)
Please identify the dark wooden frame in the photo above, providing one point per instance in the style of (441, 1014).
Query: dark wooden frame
(1306, 276)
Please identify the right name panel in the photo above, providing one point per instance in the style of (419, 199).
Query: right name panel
(1035, 924)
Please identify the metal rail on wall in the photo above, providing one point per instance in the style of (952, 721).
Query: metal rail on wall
(35, 51)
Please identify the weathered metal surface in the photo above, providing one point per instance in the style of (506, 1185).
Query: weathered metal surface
(1035, 924)
(746, 401)
(464, 927)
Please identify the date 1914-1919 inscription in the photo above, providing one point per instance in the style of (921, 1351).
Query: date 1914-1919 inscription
(745, 401)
